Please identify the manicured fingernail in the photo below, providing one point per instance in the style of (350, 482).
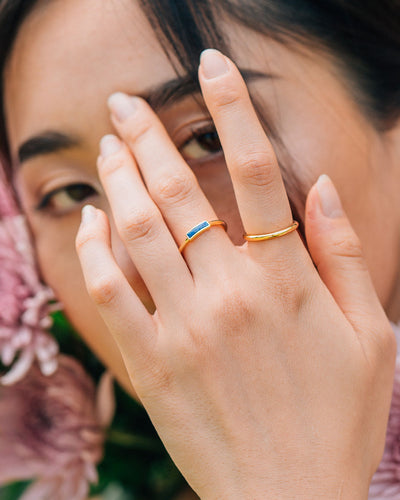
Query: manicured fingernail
(213, 64)
(88, 214)
(122, 105)
(109, 145)
(329, 199)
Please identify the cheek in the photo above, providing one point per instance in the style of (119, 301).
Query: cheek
(57, 257)
(61, 270)
(321, 130)
(60, 265)
(315, 145)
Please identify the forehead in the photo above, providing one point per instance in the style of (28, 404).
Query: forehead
(73, 54)
(70, 55)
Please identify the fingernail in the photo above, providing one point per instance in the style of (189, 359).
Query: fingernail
(329, 199)
(121, 105)
(109, 145)
(213, 64)
(88, 214)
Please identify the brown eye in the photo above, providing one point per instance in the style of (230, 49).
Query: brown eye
(66, 197)
(201, 144)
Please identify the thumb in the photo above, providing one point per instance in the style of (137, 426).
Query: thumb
(337, 253)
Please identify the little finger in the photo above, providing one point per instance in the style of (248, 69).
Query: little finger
(124, 314)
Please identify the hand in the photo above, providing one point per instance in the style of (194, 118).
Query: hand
(265, 376)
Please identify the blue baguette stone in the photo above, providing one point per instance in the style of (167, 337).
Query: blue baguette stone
(197, 228)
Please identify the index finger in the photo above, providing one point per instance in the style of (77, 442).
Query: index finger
(262, 200)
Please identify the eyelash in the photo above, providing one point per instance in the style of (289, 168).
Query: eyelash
(46, 199)
(195, 135)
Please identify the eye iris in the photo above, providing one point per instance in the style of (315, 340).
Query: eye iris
(79, 192)
(210, 141)
(202, 145)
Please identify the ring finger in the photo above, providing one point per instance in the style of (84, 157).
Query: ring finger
(169, 180)
(141, 226)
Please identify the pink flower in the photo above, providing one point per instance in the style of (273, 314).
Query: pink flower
(24, 300)
(386, 480)
(52, 429)
(51, 425)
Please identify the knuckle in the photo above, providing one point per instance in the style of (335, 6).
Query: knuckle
(232, 309)
(195, 350)
(83, 238)
(157, 381)
(112, 164)
(300, 299)
(255, 168)
(139, 224)
(142, 125)
(174, 188)
(290, 288)
(230, 314)
(349, 245)
(387, 344)
(103, 290)
(226, 96)
(293, 297)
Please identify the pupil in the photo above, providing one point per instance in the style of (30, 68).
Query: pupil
(79, 192)
(210, 141)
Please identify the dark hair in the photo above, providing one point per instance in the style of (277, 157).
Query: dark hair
(363, 36)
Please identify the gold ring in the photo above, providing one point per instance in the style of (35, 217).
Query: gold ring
(199, 229)
(269, 236)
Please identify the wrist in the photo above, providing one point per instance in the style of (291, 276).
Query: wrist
(287, 486)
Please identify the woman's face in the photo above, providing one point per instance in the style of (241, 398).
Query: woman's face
(71, 55)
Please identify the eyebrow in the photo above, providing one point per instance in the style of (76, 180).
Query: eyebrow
(161, 96)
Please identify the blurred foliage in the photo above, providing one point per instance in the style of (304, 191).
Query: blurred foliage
(135, 464)
(12, 492)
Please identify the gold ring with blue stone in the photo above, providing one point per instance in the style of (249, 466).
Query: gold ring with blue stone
(199, 229)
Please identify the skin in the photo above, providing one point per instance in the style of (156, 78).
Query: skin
(321, 127)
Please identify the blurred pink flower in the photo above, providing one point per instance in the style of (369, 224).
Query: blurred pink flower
(52, 429)
(51, 422)
(24, 300)
(386, 480)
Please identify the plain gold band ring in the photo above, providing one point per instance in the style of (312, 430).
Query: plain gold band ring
(270, 236)
(199, 229)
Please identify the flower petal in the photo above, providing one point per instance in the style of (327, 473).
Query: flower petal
(19, 369)
(105, 401)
